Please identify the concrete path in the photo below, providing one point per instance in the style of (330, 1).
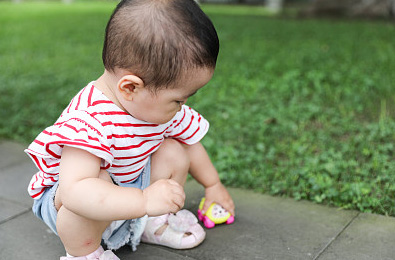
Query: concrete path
(265, 227)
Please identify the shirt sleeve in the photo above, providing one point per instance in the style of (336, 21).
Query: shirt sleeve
(188, 127)
(79, 130)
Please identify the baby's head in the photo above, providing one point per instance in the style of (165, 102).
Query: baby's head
(161, 52)
(160, 41)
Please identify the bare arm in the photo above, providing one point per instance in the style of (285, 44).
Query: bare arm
(203, 171)
(84, 193)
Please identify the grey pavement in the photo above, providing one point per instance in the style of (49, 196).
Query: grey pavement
(265, 227)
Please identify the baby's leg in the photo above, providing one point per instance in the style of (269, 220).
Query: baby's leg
(171, 161)
(80, 236)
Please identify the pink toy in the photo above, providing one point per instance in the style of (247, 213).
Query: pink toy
(215, 214)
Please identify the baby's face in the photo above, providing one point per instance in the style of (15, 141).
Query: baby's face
(162, 106)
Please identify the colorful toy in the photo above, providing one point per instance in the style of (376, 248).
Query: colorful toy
(214, 215)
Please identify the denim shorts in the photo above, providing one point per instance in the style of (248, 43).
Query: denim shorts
(44, 207)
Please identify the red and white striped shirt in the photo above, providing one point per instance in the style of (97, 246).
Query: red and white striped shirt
(94, 123)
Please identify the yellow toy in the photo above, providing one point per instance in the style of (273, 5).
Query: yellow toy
(215, 214)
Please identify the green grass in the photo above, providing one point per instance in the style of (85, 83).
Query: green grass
(299, 108)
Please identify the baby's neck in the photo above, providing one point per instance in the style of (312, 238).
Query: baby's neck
(107, 84)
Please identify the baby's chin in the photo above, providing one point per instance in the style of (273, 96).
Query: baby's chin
(157, 121)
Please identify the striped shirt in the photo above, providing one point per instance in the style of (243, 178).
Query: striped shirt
(94, 123)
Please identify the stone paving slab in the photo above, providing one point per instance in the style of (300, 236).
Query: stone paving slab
(368, 237)
(14, 181)
(149, 252)
(9, 209)
(26, 237)
(11, 153)
(269, 228)
(265, 228)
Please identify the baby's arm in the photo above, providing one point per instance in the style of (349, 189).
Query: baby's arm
(84, 193)
(204, 172)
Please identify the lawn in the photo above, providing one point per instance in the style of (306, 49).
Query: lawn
(298, 108)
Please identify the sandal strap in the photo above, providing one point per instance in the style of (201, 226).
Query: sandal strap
(154, 223)
(171, 237)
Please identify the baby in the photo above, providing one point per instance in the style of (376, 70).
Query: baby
(113, 166)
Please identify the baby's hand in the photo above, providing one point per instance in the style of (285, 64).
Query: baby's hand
(218, 194)
(163, 196)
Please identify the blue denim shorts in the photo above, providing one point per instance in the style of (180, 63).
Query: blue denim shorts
(44, 207)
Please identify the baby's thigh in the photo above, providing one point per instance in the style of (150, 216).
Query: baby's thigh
(170, 161)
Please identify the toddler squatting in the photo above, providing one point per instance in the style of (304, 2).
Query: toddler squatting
(113, 166)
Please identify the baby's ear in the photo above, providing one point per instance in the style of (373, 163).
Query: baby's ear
(129, 86)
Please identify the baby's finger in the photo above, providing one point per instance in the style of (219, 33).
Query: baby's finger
(230, 207)
(231, 211)
(174, 208)
(173, 182)
(206, 205)
(176, 187)
(179, 201)
(177, 191)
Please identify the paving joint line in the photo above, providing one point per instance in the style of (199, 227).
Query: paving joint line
(15, 216)
(335, 237)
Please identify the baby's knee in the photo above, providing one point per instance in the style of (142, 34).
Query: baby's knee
(175, 152)
(171, 161)
(104, 175)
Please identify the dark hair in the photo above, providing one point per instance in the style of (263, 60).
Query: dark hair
(158, 40)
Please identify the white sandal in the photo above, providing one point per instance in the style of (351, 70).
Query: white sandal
(174, 235)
